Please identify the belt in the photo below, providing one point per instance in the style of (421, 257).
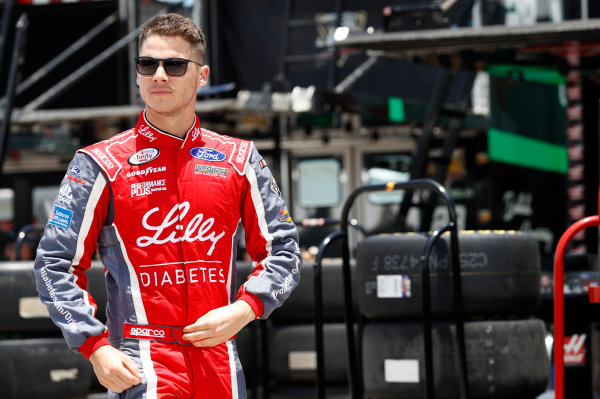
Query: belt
(155, 333)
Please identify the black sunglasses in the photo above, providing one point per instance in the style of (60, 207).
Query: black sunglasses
(172, 66)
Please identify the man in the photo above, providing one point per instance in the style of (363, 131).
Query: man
(163, 204)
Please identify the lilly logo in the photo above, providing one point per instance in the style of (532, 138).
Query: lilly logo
(207, 154)
(143, 156)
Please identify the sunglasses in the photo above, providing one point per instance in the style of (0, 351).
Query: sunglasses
(172, 66)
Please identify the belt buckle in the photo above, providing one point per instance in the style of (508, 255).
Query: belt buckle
(177, 333)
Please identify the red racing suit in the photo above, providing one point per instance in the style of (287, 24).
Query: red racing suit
(164, 215)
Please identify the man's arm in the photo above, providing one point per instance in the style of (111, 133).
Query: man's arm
(65, 253)
(271, 241)
(80, 211)
(115, 370)
(219, 325)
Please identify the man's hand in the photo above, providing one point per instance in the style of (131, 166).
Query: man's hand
(114, 369)
(219, 325)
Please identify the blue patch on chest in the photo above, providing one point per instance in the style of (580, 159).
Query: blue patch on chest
(207, 154)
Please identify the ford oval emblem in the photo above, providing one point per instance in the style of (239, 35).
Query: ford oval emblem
(207, 154)
(143, 156)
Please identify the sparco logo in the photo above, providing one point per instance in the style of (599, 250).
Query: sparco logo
(147, 332)
(207, 154)
(242, 152)
(104, 158)
(143, 156)
(169, 230)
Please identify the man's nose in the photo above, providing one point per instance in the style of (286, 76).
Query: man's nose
(160, 74)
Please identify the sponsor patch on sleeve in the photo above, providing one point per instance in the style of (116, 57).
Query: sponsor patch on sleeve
(74, 174)
(262, 164)
(61, 217)
(76, 180)
(284, 215)
(275, 187)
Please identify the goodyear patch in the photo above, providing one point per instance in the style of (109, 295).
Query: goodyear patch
(61, 217)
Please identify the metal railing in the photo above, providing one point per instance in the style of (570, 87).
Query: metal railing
(354, 373)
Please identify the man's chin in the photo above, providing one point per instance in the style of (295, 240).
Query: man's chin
(163, 110)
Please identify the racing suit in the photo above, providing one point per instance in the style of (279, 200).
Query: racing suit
(164, 215)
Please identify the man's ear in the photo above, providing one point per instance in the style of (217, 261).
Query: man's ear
(203, 76)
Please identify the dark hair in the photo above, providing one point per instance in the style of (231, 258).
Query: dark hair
(175, 25)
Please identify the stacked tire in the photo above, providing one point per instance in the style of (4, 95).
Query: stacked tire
(291, 365)
(505, 349)
(36, 362)
(249, 343)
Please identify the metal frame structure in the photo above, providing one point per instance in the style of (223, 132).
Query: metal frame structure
(483, 40)
(354, 374)
(18, 45)
(559, 297)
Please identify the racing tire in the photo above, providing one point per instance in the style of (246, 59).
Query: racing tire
(42, 368)
(505, 359)
(22, 311)
(293, 357)
(246, 343)
(331, 392)
(500, 275)
(300, 306)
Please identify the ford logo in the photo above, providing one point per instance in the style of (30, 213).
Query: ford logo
(207, 154)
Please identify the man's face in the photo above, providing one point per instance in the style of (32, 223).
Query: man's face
(170, 95)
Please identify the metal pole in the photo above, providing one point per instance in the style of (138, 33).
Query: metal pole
(559, 300)
(333, 72)
(427, 319)
(79, 73)
(584, 9)
(420, 153)
(19, 43)
(82, 71)
(318, 288)
(283, 46)
(358, 73)
(69, 51)
(5, 22)
(132, 50)
(354, 381)
(463, 377)
(213, 49)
